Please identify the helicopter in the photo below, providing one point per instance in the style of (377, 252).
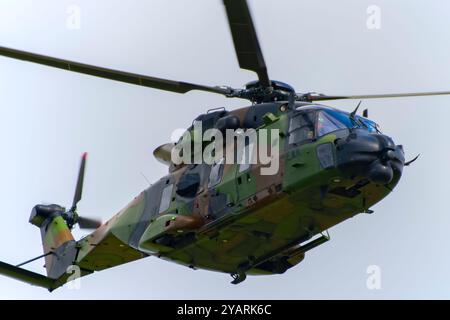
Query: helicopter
(228, 216)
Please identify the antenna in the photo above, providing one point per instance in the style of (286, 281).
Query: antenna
(145, 178)
(353, 113)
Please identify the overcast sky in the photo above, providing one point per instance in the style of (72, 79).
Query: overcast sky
(49, 117)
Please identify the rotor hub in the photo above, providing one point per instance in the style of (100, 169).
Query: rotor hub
(254, 91)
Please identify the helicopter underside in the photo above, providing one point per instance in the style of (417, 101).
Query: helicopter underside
(268, 238)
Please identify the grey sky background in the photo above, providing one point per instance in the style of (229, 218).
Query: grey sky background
(49, 117)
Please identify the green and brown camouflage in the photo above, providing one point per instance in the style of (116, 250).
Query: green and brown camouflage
(246, 223)
(229, 216)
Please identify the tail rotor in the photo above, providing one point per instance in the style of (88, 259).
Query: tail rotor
(72, 216)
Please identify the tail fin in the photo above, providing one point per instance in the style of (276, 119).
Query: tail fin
(59, 249)
(55, 224)
(56, 238)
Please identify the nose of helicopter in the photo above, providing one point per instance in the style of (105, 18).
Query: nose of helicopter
(372, 156)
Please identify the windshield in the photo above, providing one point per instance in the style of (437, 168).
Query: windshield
(326, 124)
(343, 118)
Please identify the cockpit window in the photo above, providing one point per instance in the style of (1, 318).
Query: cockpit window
(327, 124)
(301, 127)
(341, 117)
(307, 124)
(358, 122)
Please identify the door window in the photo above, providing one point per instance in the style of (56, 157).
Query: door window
(215, 176)
(166, 197)
(246, 158)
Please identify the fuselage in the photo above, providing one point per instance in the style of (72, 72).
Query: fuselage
(230, 217)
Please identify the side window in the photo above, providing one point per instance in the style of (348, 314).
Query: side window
(325, 124)
(301, 127)
(216, 173)
(166, 196)
(246, 158)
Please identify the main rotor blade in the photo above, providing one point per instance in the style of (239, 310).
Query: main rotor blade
(245, 40)
(80, 180)
(322, 97)
(140, 80)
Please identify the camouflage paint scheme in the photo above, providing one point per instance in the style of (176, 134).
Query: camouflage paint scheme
(247, 224)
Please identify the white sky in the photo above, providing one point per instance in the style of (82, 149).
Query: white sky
(49, 117)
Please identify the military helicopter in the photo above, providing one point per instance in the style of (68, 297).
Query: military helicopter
(228, 217)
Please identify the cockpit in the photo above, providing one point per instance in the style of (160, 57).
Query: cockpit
(307, 123)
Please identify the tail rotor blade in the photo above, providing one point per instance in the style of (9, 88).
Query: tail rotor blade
(88, 223)
(80, 180)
